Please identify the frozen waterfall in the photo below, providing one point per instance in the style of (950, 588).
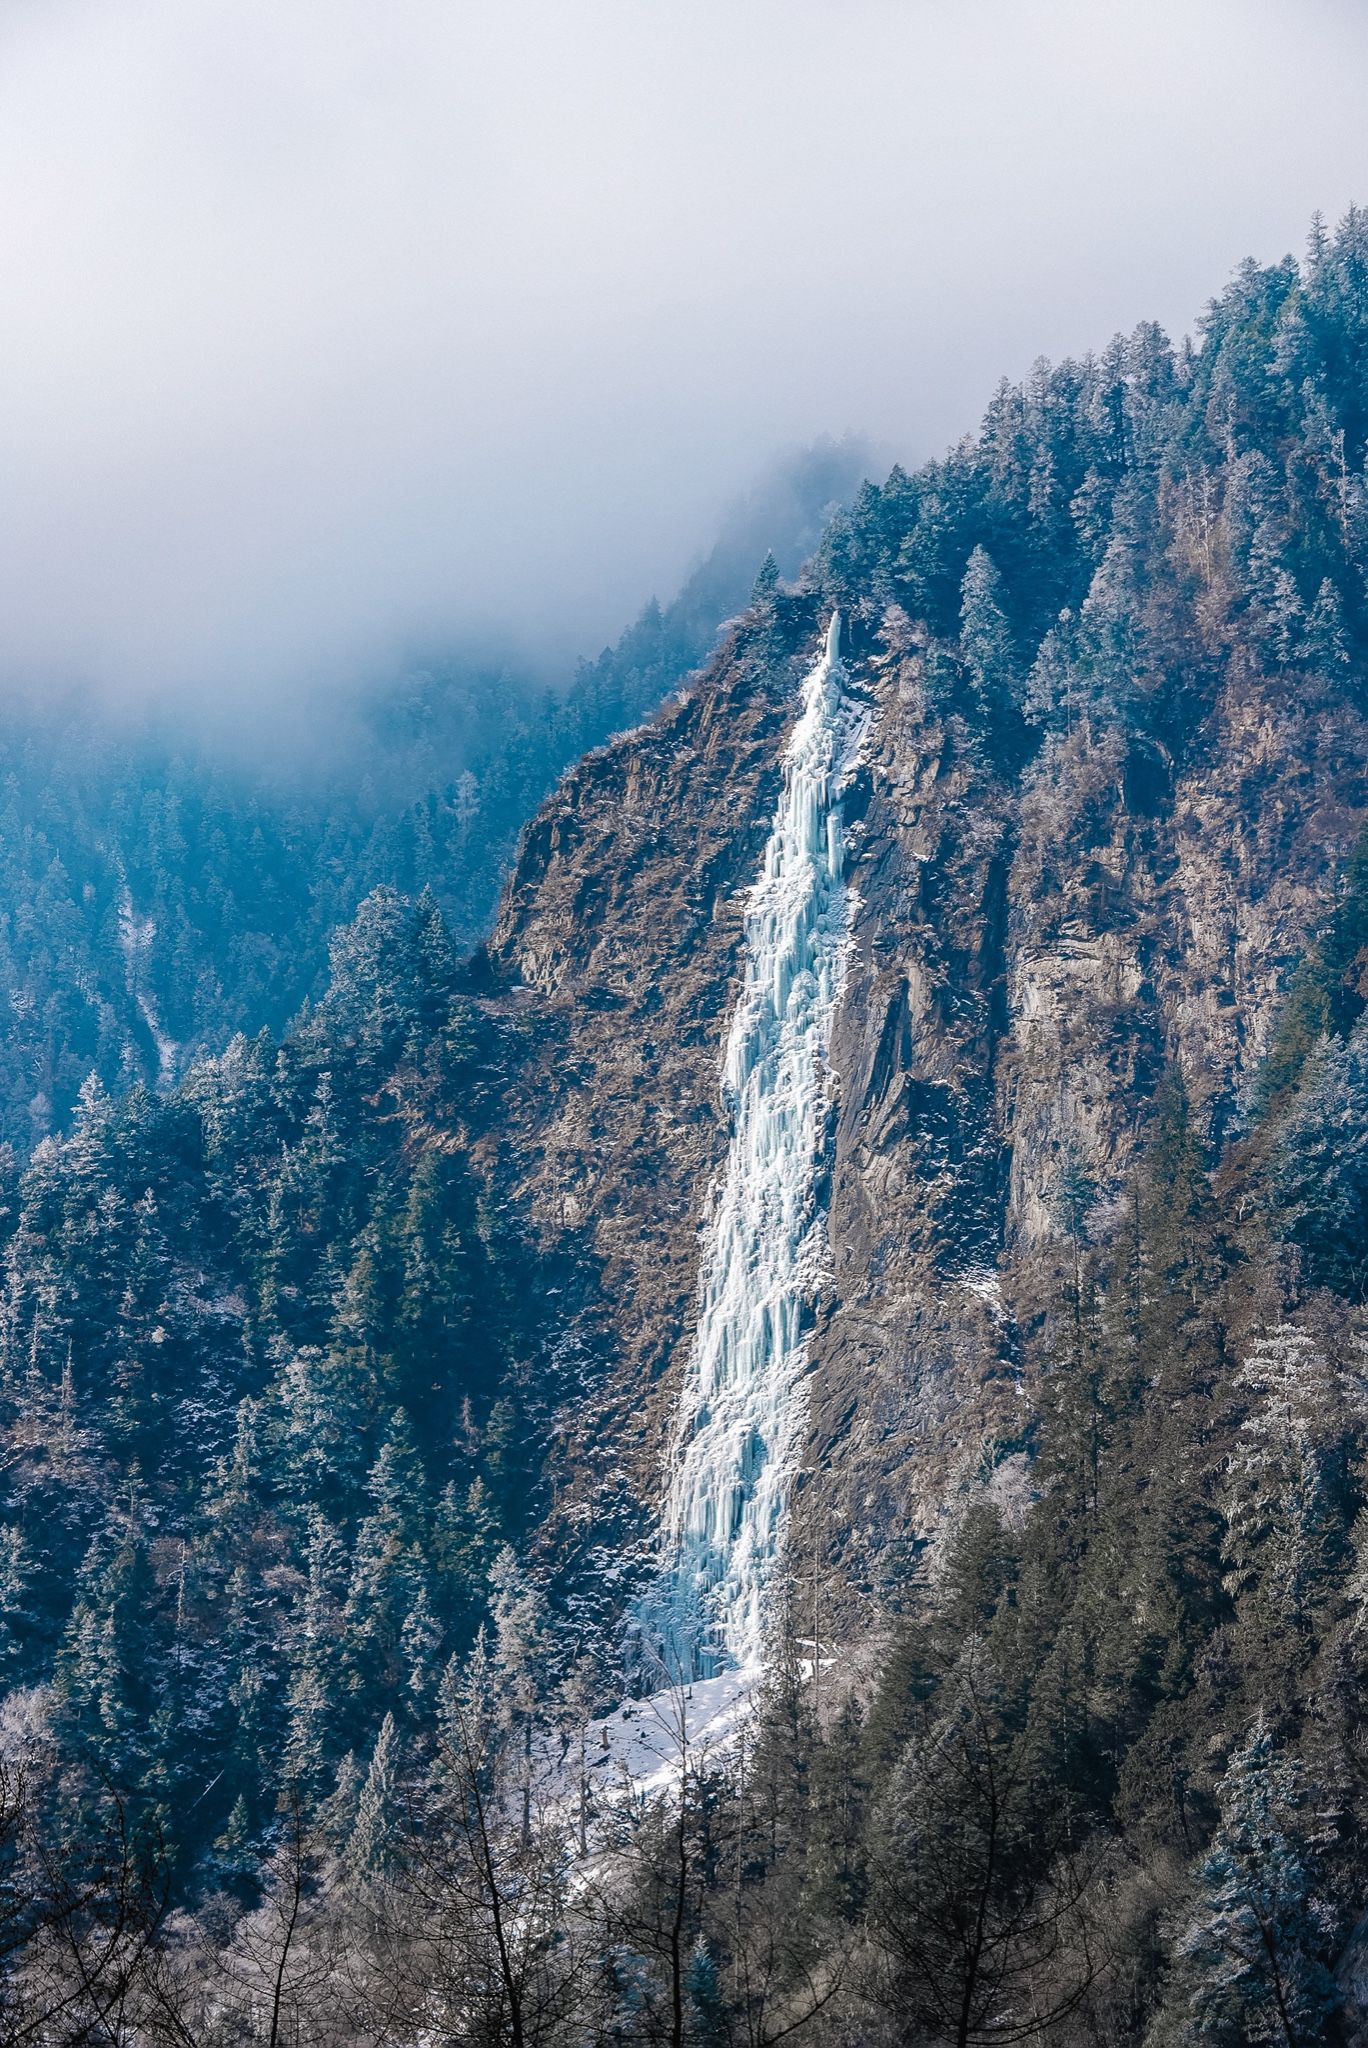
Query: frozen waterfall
(742, 1405)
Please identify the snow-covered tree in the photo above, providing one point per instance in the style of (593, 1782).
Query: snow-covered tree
(1250, 1955)
(314, 1689)
(985, 635)
(368, 1850)
(1325, 642)
(1319, 1168)
(1287, 1495)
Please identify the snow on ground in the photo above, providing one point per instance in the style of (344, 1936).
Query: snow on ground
(640, 1748)
(639, 1754)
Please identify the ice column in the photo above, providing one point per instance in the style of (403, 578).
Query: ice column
(742, 1405)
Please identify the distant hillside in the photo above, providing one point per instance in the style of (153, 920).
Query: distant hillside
(155, 899)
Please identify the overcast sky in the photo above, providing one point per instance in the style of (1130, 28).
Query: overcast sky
(330, 327)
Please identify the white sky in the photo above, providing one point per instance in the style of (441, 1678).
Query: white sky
(333, 326)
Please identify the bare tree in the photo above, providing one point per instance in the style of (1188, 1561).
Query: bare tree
(91, 1965)
(978, 1930)
(476, 1937)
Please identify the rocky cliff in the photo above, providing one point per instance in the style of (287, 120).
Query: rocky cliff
(1116, 763)
(1027, 955)
(614, 961)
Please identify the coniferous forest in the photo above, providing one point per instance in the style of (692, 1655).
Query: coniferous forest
(304, 1736)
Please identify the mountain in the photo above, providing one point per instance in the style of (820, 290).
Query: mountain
(1113, 782)
(159, 893)
(921, 1076)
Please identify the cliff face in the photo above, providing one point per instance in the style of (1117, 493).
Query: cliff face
(1030, 957)
(615, 961)
(1165, 918)
(1028, 950)
(1114, 651)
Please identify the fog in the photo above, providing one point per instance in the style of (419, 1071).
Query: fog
(331, 329)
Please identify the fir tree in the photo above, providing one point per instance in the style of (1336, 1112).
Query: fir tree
(1318, 1174)
(986, 638)
(1250, 1955)
(368, 1848)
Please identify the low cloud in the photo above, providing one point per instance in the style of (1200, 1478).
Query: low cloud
(334, 329)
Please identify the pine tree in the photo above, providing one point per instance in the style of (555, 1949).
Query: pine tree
(1289, 1497)
(389, 1593)
(314, 1703)
(1286, 628)
(396, 1484)
(337, 1813)
(1179, 1255)
(986, 638)
(141, 1332)
(1054, 688)
(1318, 1171)
(522, 1656)
(420, 1643)
(232, 1504)
(1249, 1957)
(465, 1542)
(369, 1847)
(707, 2007)
(1327, 991)
(504, 1461)
(323, 1407)
(1325, 642)
(1164, 1530)
(972, 1891)
(18, 1622)
(1109, 640)
(766, 582)
(233, 1859)
(442, 1352)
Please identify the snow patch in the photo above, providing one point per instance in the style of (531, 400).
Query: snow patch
(988, 1287)
(136, 935)
(642, 1748)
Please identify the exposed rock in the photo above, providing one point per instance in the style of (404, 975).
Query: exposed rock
(1026, 955)
(616, 958)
